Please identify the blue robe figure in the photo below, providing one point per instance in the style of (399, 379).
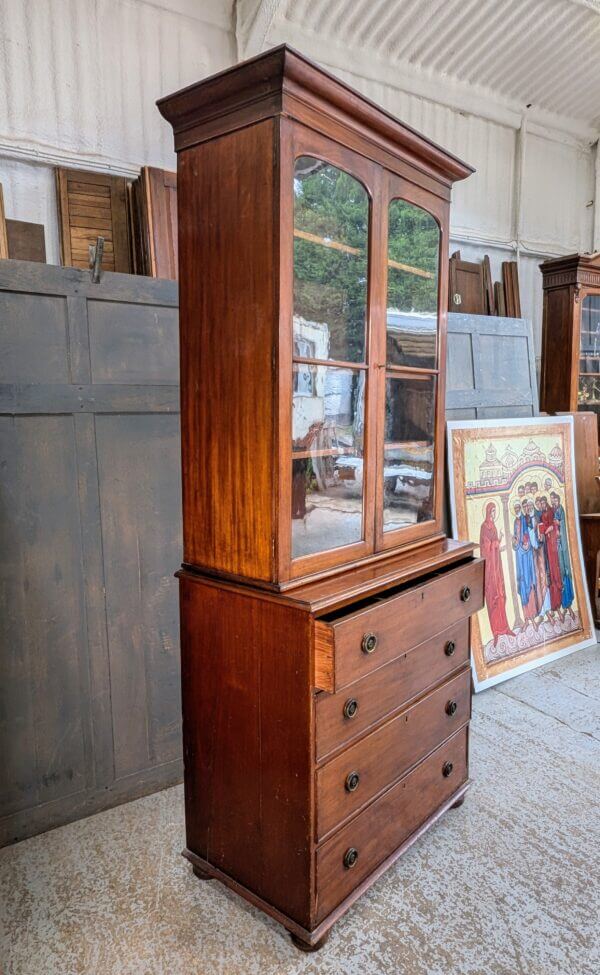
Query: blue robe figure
(526, 578)
(564, 560)
(539, 562)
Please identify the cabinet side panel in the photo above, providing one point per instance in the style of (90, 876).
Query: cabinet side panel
(228, 296)
(557, 365)
(247, 718)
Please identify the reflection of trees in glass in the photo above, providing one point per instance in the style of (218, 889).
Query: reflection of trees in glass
(330, 284)
(413, 239)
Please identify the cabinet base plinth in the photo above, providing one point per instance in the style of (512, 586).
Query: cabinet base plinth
(304, 939)
(201, 874)
(305, 945)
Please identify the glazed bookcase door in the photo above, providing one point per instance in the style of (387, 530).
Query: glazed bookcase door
(588, 379)
(328, 457)
(411, 379)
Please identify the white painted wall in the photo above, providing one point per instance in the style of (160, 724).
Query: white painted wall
(79, 79)
(78, 84)
(551, 214)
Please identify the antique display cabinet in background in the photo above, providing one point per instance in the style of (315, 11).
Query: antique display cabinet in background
(570, 378)
(570, 381)
(325, 615)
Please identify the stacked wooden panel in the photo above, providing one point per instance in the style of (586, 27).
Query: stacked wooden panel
(473, 292)
(152, 204)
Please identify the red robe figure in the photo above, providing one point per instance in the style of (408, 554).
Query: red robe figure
(495, 593)
(549, 528)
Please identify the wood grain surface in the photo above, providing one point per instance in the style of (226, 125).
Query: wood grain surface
(388, 688)
(384, 825)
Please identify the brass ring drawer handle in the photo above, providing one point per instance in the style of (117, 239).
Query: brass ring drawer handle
(350, 858)
(352, 781)
(447, 769)
(351, 708)
(450, 648)
(451, 708)
(369, 642)
(465, 594)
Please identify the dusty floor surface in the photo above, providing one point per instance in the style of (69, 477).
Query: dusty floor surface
(507, 885)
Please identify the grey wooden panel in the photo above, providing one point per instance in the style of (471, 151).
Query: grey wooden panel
(460, 373)
(499, 412)
(45, 728)
(33, 336)
(48, 279)
(138, 458)
(132, 343)
(62, 398)
(461, 414)
(88, 609)
(491, 367)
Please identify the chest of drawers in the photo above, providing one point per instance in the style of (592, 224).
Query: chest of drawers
(299, 795)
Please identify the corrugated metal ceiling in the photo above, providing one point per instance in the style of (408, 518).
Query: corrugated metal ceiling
(543, 53)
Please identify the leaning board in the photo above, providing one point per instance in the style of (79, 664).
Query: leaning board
(90, 536)
(491, 368)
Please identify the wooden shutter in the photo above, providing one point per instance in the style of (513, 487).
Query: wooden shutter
(466, 293)
(153, 223)
(92, 205)
(160, 191)
(510, 281)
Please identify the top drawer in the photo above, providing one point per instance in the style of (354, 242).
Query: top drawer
(350, 645)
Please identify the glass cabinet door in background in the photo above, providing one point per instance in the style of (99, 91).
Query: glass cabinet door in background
(588, 393)
(411, 366)
(331, 236)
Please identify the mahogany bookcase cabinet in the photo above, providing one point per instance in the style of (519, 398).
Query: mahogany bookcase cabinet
(325, 615)
(570, 376)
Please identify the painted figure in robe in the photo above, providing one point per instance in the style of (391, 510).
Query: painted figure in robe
(564, 558)
(549, 529)
(539, 559)
(494, 589)
(526, 579)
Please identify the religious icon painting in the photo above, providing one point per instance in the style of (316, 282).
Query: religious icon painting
(513, 493)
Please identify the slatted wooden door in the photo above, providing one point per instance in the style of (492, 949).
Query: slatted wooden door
(92, 205)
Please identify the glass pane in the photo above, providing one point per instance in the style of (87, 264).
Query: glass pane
(412, 292)
(331, 220)
(327, 457)
(408, 451)
(589, 362)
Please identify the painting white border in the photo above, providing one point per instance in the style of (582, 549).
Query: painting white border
(524, 422)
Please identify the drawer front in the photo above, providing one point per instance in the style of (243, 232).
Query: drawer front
(363, 641)
(377, 832)
(346, 715)
(365, 769)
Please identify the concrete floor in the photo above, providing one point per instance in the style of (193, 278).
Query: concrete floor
(507, 885)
